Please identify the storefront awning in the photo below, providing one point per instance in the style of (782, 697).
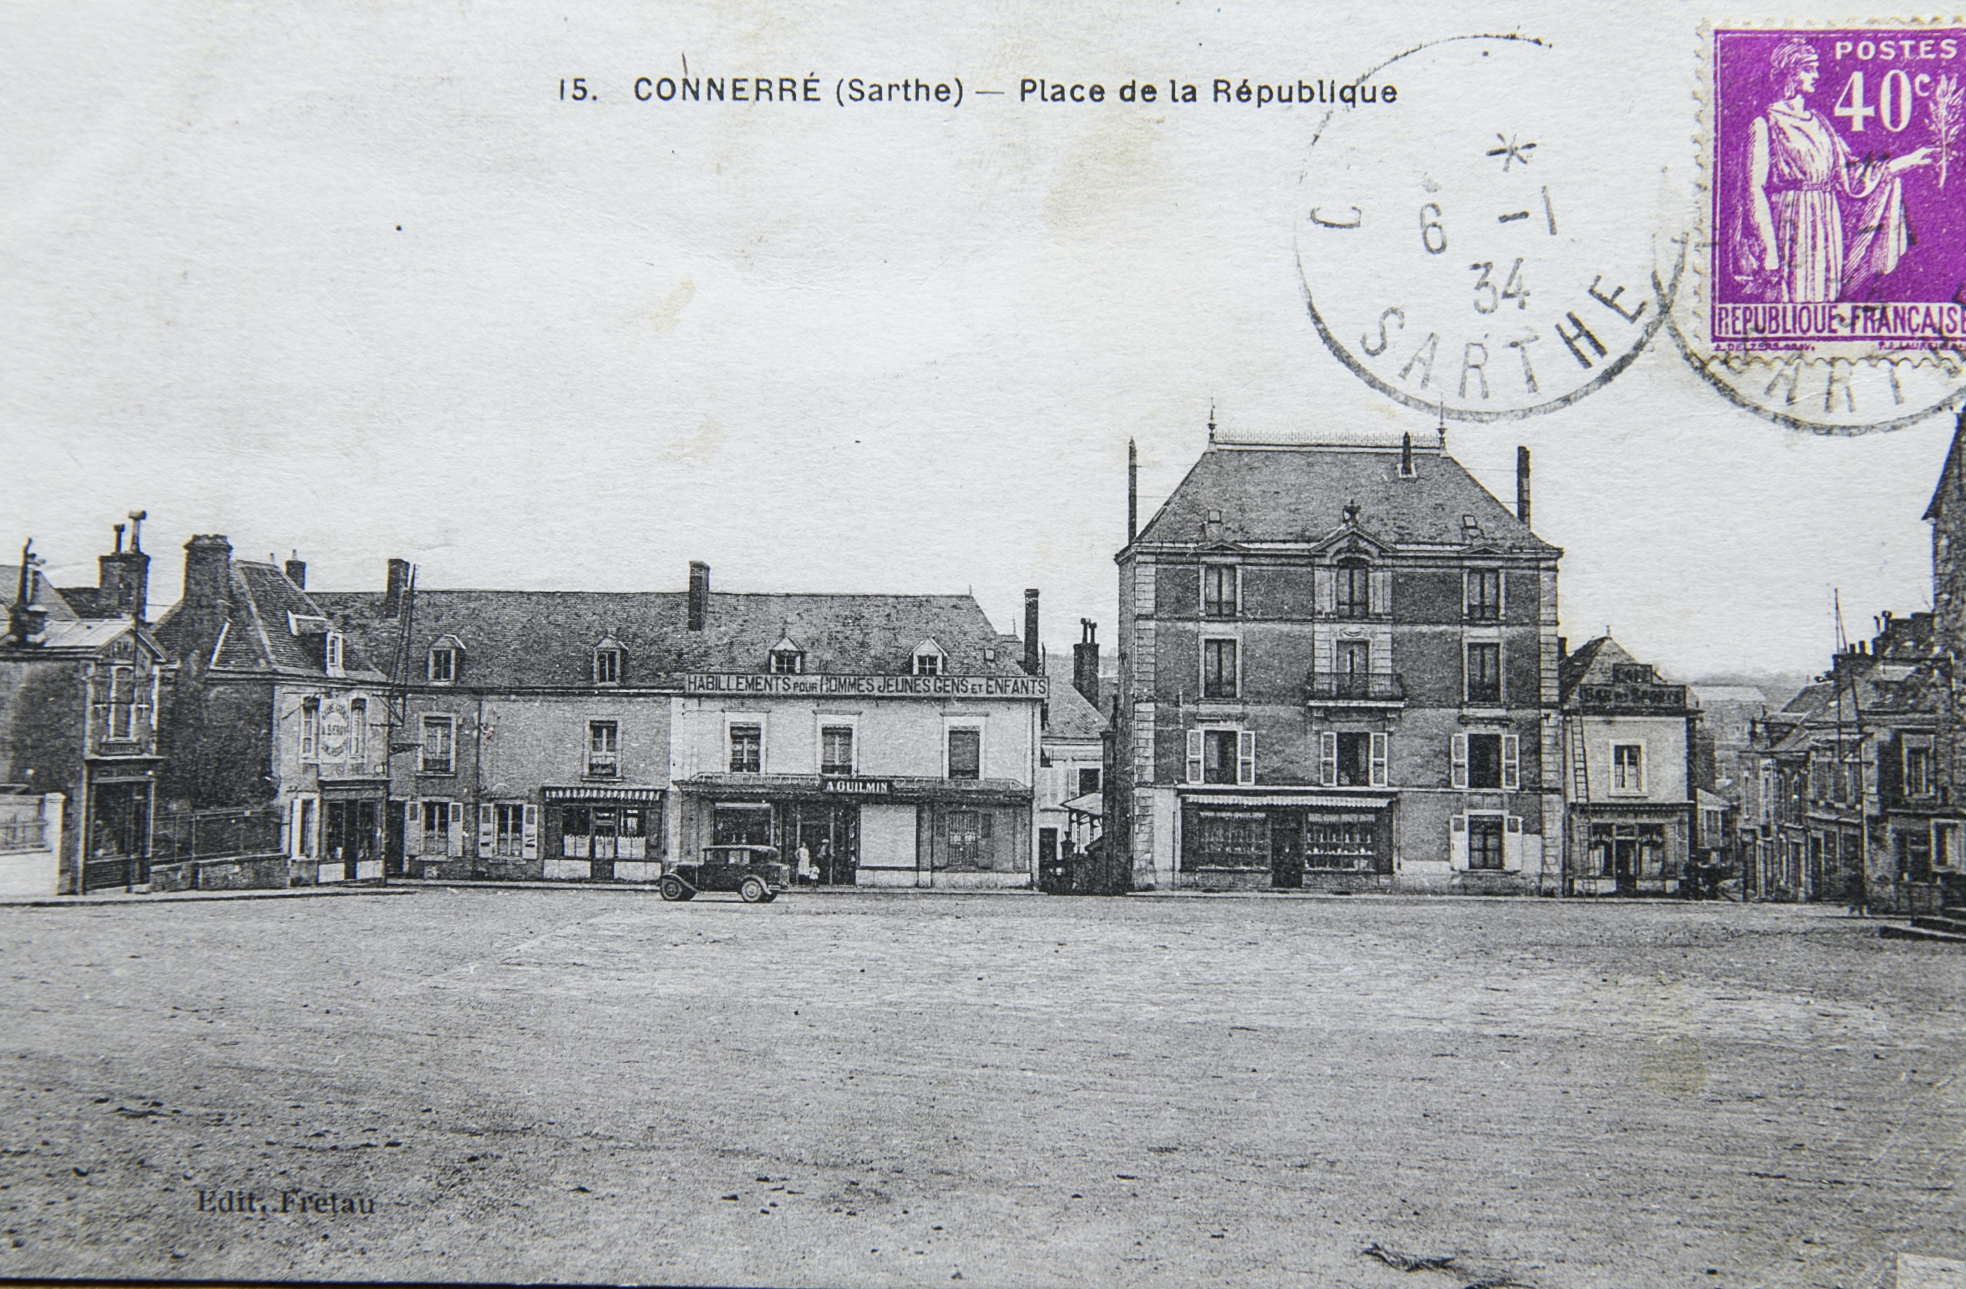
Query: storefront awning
(1091, 803)
(607, 794)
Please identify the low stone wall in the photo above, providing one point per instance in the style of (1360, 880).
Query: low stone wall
(232, 873)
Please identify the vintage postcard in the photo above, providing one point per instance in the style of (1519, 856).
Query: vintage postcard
(1016, 644)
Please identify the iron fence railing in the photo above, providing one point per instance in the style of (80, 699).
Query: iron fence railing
(23, 834)
(214, 834)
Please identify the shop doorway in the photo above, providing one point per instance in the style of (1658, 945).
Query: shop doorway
(830, 834)
(119, 836)
(349, 836)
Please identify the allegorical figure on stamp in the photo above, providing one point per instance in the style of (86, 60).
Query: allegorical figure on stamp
(1825, 221)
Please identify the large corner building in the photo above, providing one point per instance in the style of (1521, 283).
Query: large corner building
(1338, 670)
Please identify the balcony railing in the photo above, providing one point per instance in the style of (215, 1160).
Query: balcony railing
(1355, 688)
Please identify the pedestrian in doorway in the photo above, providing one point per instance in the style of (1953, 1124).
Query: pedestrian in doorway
(826, 873)
(807, 876)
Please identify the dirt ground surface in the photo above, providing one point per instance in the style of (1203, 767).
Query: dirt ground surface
(917, 1090)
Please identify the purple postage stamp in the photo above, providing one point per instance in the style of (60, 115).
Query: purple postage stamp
(1838, 189)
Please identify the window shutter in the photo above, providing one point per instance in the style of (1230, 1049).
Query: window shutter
(1511, 761)
(1458, 849)
(1512, 844)
(1378, 760)
(530, 844)
(1327, 755)
(487, 829)
(454, 835)
(1501, 595)
(1194, 756)
(983, 825)
(293, 829)
(412, 828)
(1245, 757)
(1460, 779)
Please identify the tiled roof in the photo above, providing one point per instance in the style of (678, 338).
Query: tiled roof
(259, 631)
(44, 594)
(92, 634)
(1070, 718)
(1571, 670)
(545, 639)
(1300, 494)
(1949, 473)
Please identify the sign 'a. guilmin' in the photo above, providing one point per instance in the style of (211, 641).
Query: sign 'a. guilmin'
(820, 685)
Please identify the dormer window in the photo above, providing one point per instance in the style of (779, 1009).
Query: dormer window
(331, 654)
(928, 660)
(443, 661)
(786, 657)
(607, 661)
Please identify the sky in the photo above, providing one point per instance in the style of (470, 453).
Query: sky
(355, 281)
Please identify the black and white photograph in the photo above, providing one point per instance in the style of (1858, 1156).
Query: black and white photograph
(747, 643)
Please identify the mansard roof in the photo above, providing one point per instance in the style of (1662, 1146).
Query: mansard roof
(1293, 493)
(545, 639)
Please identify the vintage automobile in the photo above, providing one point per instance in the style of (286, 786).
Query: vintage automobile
(754, 872)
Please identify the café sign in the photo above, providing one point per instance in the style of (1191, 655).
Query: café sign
(828, 686)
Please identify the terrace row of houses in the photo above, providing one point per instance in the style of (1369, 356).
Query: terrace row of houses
(1852, 790)
(887, 740)
(1338, 668)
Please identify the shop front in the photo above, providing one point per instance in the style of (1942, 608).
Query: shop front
(602, 834)
(353, 812)
(1630, 850)
(867, 831)
(1272, 841)
(121, 795)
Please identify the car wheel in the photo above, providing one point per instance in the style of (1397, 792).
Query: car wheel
(753, 890)
(672, 889)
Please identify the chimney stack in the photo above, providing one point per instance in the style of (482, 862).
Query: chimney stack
(1406, 456)
(24, 621)
(1085, 662)
(1522, 485)
(397, 582)
(699, 595)
(125, 573)
(1132, 491)
(297, 571)
(207, 601)
(1031, 631)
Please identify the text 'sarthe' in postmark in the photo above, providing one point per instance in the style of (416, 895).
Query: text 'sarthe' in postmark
(1460, 255)
(1835, 223)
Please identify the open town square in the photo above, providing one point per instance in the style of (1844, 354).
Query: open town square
(884, 1088)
